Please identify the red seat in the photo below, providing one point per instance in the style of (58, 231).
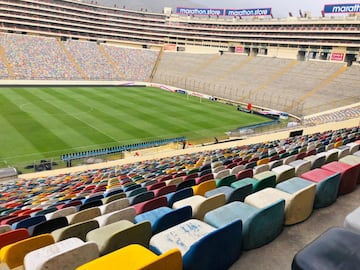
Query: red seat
(349, 175)
(156, 186)
(165, 190)
(204, 178)
(150, 205)
(190, 176)
(11, 237)
(165, 177)
(247, 173)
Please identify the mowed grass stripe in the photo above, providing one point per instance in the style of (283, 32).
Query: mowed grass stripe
(56, 120)
(121, 116)
(202, 115)
(8, 136)
(80, 117)
(109, 119)
(132, 110)
(38, 134)
(143, 114)
(179, 115)
(149, 108)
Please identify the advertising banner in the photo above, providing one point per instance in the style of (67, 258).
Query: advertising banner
(200, 11)
(239, 49)
(342, 8)
(248, 12)
(337, 56)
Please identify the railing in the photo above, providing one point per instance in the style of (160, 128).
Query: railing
(68, 158)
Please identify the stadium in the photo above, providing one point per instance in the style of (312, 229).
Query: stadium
(187, 138)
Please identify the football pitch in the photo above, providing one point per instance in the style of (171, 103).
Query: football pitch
(46, 122)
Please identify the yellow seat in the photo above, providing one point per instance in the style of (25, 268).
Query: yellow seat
(13, 254)
(338, 144)
(134, 257)
(203, 187)
(262, 161)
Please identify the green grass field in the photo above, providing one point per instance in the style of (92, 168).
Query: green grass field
(45, 122)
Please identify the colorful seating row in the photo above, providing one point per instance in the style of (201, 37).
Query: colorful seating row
(147, 202)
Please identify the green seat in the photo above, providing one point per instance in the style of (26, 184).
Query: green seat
(226, 181)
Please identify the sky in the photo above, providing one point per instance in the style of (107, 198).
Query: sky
(280, 8)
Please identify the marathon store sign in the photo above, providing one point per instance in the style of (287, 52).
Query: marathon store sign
(223, 12)
(342, 8)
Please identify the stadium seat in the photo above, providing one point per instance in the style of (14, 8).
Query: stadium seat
(114, 205)
(327, 186)
(336, 248)
(201, 245)
(127, 213)
(232, 193)
(13, 254)
(71, 253)
(163, 218)
(78, 230)
(201, 205)
(13, 236)
(84, 215)
(260, 226)
(349, 175)
(120, 234)
(299, 199)
(133, 257)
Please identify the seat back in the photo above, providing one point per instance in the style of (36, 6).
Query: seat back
(172, 218)
(164, 190)
(186, 184)
(84, 215)
(78, 230)
(13, 236)
(150, 204)
(203, 187)
(135, 256)
(139, 198)
(120, 234)
(264, 226)
(13, 254)
(71, 253)
(28, 222)
(244, 174)
(209, 204)
(226, 181)
(240, 193)
(127, 213)
(48, 226)
(179, 195)
(114, 205)
(216, 250)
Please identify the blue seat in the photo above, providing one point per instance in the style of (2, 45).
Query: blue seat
(93, 198)
(202, 246)
(179, 195)
(231, 194)
(135, 191)
(90, 204)
(141, 197)
(163, 218)
(28, 222)
(260, 226)
(48, 226)
(335, 249)
(112, 192)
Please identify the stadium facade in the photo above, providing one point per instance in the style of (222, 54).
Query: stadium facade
(335, 38)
